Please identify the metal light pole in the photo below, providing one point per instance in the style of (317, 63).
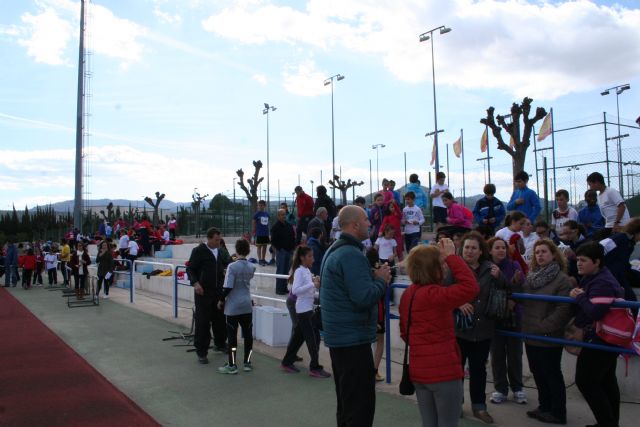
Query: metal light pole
(377, 147)
(619, 89)
(329, 81)
(428, 35)
(266, 110)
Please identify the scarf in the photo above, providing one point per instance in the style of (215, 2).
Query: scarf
(540, 276)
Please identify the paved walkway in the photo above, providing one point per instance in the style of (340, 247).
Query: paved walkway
(124, 342)
(126, 346)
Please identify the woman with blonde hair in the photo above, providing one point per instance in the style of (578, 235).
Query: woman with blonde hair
(547, 276)
(425, 312)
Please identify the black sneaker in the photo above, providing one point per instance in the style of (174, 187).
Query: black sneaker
(217, 349)
(203, 360)
(534, 414)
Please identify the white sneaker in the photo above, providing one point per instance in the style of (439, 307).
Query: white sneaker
(497, 397)
(105, 296)
(520, 397)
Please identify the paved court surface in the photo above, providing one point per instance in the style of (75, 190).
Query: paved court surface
(126, 346)
(124, 342)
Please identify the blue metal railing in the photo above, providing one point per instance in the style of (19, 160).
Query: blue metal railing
(627, 304)
(185, 282)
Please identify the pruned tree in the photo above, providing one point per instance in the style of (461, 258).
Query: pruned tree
(198, 200)
(343, 186)
(254, 182)
(155, 205)
(109, 215)
(517, 151)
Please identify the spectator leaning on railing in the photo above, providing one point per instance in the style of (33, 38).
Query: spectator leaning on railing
(596, 369)
(547, 276)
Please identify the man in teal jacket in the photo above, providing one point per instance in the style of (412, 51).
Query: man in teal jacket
(349, 295)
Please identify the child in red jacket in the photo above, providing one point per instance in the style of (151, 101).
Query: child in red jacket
(28, 262)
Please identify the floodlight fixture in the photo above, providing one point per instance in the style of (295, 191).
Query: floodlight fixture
(329, 81)
(623, 88)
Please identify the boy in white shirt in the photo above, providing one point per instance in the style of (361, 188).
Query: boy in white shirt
(563, 213)
(412, 219)
(439, 209)
(612, 205)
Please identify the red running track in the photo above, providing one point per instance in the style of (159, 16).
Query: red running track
(44, 382)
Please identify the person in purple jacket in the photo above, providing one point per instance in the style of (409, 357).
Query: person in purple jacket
(596, 369)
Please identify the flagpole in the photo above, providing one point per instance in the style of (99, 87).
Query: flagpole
(488, 153)
(447, 164)
(553, 151)
(464, 190)
(405, 171)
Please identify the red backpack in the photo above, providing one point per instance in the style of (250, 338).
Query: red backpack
(467, 213)
(617, 327)
(635, 342)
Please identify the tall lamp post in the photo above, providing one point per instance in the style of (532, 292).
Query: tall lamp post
(377, 147)
(428, 35)
(266, 110)
(329, 81)
(619, 89)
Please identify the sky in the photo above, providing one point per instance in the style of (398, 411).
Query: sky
(177, 90)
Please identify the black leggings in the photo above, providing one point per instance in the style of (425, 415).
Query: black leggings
(305, 331)
(107, 283)
(26, 277)
(246, 323)
(79, 280)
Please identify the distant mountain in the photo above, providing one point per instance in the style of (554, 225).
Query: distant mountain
(123, 203)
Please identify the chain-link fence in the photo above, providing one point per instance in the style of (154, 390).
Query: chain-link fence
(568, 163)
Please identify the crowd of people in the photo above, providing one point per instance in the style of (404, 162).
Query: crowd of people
(340, 260)
(28, 262)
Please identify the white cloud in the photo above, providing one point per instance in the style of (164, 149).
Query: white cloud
(49, 37)
(115, 37)
(260, 78)
(166, 17)
(539, 49)
(304, 79)
(51, 34)
(9, 30)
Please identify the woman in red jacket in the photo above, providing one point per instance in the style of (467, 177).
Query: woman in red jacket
(436, 368)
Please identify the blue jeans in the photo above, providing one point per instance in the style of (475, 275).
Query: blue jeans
(10, 275)
(283, 264)
(411, 240)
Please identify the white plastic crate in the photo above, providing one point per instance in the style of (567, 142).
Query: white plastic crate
(273, 325)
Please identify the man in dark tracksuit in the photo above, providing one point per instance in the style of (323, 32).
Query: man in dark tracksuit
(206, 274)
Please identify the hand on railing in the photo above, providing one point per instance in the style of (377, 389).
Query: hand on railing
(575, 292)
